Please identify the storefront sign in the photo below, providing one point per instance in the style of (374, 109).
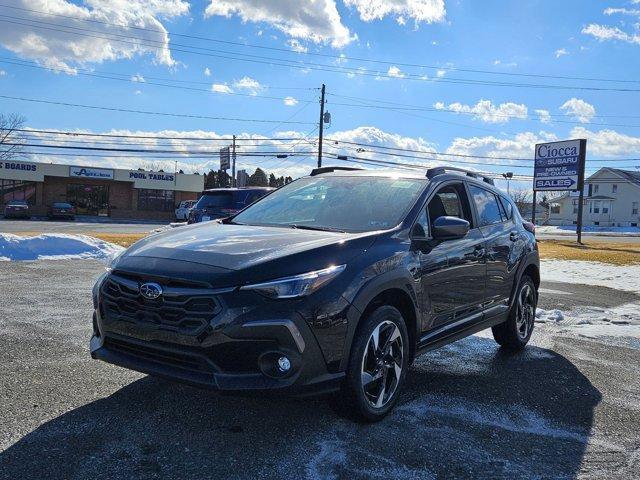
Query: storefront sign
(13, 170)
(558, 165)
(88, 172)
(153, 180)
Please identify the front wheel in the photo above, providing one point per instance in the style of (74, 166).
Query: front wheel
(514, 334)
(377, 366)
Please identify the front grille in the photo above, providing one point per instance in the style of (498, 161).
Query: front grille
(164, 357)
(178, 309)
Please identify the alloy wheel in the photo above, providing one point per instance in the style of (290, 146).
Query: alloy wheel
(382, 364)
(525, 313)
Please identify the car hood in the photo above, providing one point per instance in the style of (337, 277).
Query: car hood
(235, 253)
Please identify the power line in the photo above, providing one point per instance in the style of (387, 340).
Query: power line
(301, 64)
(155, 137)
(156, 157)
(113, 76)
(146, 112)
(318, 54)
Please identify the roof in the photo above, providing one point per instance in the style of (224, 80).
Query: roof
(376, 173)
(629, 175)
(236, 189)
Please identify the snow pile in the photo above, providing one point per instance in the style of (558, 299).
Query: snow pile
(590, 229)
(625, 277)
(595, 322)
(55, 246)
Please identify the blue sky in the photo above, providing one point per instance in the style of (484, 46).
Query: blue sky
(562, 39)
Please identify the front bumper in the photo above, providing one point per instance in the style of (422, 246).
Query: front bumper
(236, 350)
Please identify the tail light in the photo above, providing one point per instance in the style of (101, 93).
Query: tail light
(530, 227)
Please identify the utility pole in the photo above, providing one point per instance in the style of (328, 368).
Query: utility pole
(233, 164)
(321, 127)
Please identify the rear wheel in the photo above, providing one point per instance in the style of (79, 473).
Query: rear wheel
(515, 333)
(377, 367)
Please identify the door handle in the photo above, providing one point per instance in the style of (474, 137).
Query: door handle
(514, 236)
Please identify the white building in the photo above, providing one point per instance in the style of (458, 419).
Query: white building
(612, 198)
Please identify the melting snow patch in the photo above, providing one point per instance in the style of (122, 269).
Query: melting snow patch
(56, 246)
(626, 277)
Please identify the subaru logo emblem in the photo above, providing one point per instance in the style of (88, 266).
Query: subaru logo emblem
(150, 290)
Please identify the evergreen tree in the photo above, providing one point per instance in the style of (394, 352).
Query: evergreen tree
(258, 178)
(273, 182)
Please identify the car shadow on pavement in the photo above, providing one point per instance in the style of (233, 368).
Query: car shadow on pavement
(469, 410)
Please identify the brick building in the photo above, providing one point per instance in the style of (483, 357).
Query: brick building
(117, 193)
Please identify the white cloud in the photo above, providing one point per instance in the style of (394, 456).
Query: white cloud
(138, 92)
(441, 73)
(607, 143)
(579, 110)
(296, 46)
(486, 111)
(427, 11)
(290, 101)
(248, 84)
(55, 48)
(137, 78)
(543, 115)
(604, 33)
(624, 11)
(2, 73)
(395, 72)
(317, 21)
(221, 88)
(561, 52)
(519, 146)
(207, 72)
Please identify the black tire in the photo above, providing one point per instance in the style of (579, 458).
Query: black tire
(514, 334)
(353, 400)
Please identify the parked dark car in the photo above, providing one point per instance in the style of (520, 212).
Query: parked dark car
(61, 210)
(333, 283)
(224, 202)
(17, 209)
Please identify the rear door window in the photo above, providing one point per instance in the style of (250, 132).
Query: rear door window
(487, 206)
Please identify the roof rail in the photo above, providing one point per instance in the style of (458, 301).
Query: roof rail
(432, 172)
(319, 170)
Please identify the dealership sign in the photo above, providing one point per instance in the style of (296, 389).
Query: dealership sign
(558, 165)
(86, 172)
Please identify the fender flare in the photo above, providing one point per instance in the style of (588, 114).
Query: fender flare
(532, 258)
(393, 279)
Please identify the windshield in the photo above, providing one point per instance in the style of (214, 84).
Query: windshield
(17, 203)
(61, 205)
(215, 199)
(350, 204)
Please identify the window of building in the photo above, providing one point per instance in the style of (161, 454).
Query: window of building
(17, 190)
(634, 208)
(575, 206)
(614, 188)
(155, 200)
(596, 188)
(555, 208)
(596, 206)
(605, 207)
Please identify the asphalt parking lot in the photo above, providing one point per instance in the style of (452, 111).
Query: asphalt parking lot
(566, 407)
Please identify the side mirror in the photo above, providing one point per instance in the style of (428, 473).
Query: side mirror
(449, 228)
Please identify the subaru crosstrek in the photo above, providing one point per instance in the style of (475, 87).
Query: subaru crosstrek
(332, 283)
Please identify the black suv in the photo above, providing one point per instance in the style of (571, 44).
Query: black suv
(332, 283)
(223, 202)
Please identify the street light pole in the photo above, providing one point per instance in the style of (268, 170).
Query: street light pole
(508, 176)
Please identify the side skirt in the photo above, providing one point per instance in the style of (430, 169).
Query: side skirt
(457, 330)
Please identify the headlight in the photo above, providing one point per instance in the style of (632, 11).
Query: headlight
(298, 285)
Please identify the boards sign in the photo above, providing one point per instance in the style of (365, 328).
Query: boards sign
(87, 172)
(559, 165)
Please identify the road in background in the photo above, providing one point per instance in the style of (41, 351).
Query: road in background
(589, 238)
(565, 407)
(78, 226)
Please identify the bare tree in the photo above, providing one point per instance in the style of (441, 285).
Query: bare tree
(522, 199)
(11, 140)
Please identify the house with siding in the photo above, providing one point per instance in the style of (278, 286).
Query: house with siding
(612, 198)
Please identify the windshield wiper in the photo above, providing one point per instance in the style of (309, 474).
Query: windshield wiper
(312, 227)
